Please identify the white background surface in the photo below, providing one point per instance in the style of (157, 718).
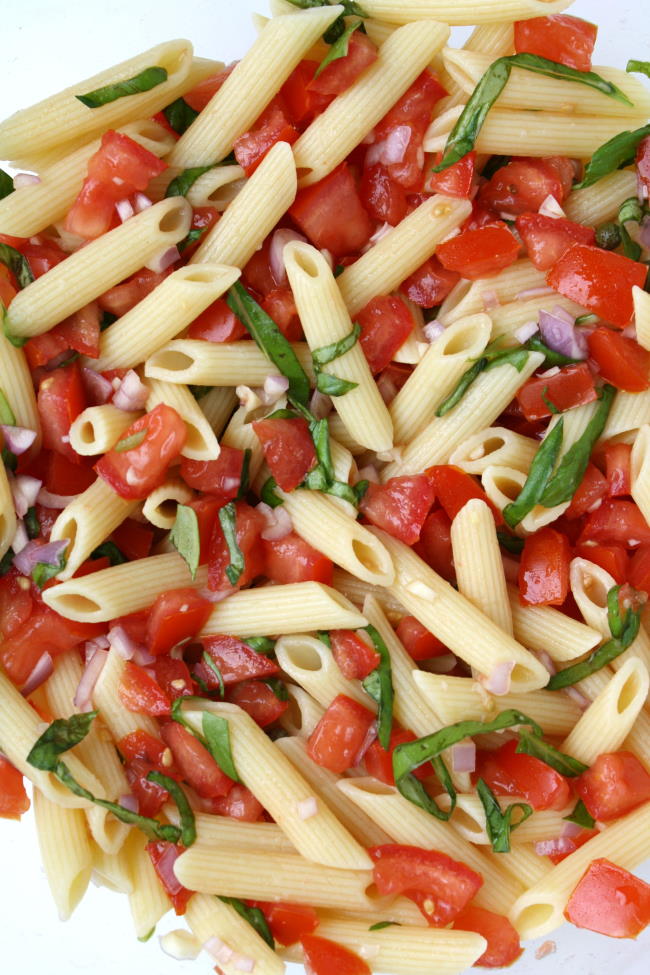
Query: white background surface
(46, 46)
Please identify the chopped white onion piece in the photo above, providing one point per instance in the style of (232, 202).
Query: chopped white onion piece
(274, 388)
(57, 501)
(525, 331)
(215, 595)
(162, 261)
(307, 808)
(320, 405)
(83, 695)
(17, 439)
(558, 330)
(381, 231)
(142, 658)
(91, 647)
(124, 210)
(369, 473)
(551, 208)
(463, 757)
(279, 240)
(141, 202)
(39, 674)
(121, 643)
(548, 948)
(130, 802)
(96, 386)
(433, 330)
(131, 394)
(371, 736)
(25, 179)
(24, 490)
(20, 539)
(546, 661)
(577, 696)
(498, 682)
(278, 521)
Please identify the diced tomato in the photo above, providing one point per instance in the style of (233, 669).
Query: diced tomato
(400, 506)
(280, 305)
(383, 197)
(323, 957)
(195, 763)
(611, 558)
(249, 525)
(414, 109)
(622, 361)
(79, 332)
(419, 643)
(639, 569)
(601, 281)
(435, 544)
(42, 254)
(440, 886)
(355, 658)
(60, 400)
(610, 900)
(292, 559)
(140, 693)
(616, 522)
(92, 565)
(341, 73)
(135, 472)
(13, 798)
(302, 104)
(163, 856)
(176, 615)
(133, 539)
(510, 774)
(457, 180)
(591, 490)
(174, 677)
(379, 762)
(547, 238)
(331, 213)
(235, 660)
(503, 947)
(144, 754)
(240, 803)
(7, 290)
(221, 477)
(206, 510)
(613, 786)
(259, 700)
(44, 631)
(61, 476)
(217, 324)
(203, 219)
(454, 488)
(430, 284)
(643, 162)
(544, 568)
(288, 922)
(521, 186)
(560, 37)
(288, 449)
(125, 296)
(16, 603)
(479, 253)
(257, 274)
(337, 740)
(386, 323)
(617, 467)
(271, 127)
(572, 386)
(206, 89)
(135, 625)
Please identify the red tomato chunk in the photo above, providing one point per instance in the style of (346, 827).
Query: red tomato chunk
(61, 398)
(143, 754)
(140, 693)
(570, 386)
(611, 901)
(176, 615)
(331, 215)
(386, 323)
(547, 238)
(400, 506)
(324, 957)
(337, 76)
(221, 477)
(457, 180)
(271, 127)
(288, 449)
(259, 700)
(430, 284)
(337, 741)
(614, 785)
(503, 947)
(616, 522)
(544, 568)
(479, 253)
(163, 856)
(560, 37)
(13, 798)
(355, 658)
(195, 762)
(248, 524)
(419, 643)
(522, 185)
(510, 774)
(621, 361)
(236, 661)
(599, 280)
(288, 922)
(292, 559)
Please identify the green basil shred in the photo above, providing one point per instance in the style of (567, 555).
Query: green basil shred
(184, 536)
(6, 184)
(145, 81)
(228, 522)
(17, 264)
(580, 816)
(498, 823)
(339, 48)
(614, 154)
(183, 183)
(254, 916)
(379, 686)
(180, 115)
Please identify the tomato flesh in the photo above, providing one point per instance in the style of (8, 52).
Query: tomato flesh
(330, 213)
(217, 324)
(144, 754)
(195, 762)
(611, 558)
(288, 449)
(521, 186)
(456, 180)
(163, 856)
(337, 76)
(454, 488)
(176, 615)
(44, 631)
(323, 957)
(617, 468)
(140, 693)
(503, 945)
(560, 37)
(61, 398)
(235, 659)
(430, 284)
(419, 643)
(610, 900)
(272, 127)
(479, 253)
(13, 798)
(383, 197)
(248, 525)
(259, 700)
(354, 657)
(379, 761)
(125, 296)
(337, 740)
(240, 803)
(292, 559)
(510, 774)
(591, 490)
(288, 922)
(400, 506)
(434, 546)
(571, 386)
(547, 238)
(544, 568)
(621, 361)
(386, 323)
(599, 280)
(614, 785)
(616, 522)
(221, 477)
(639, 569)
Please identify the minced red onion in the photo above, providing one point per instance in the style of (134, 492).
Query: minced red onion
(307, 808)
(215, 595)
(433, 330)
(24, 490)
(391, 149)
(369, 473)
(122, 643)
(278, 521)
(20, 539)
(381, 231)
(320, 405)
(371, 735)
(34, 552)
(124, 210)
(551, 208)
(644, 231)
(577, 696)
(539, 292)
(387, 388)
(96, 386)
(545, 848)
(463, 757)
(17, 439)
(165, 869)
(56, 501)
(129, 802)
(25, 179)
(131, 394)
(525, 331)
(546, 661)
(571, 830)
(141, 202)
(83, 695)
(242, 963)
(561, 334)
(274, 388)
(92, 646)
(39, 674)
(498, 682)
(143, 658)
(162, 261)
(219, 950)
(279, 240)
(490, 299)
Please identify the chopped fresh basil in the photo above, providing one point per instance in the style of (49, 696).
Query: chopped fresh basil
(332, 385)
(493, 165)
(360, 489)
(7, 416)
(6, 561)
(380, 925)
(564, 764)
(201, 683)
(145, 81)
(110, 551)
(188, 825)
(244, 478)
(17, 264)
(58, 738)
(261, 644)
(335, 30)
(9, 459)
(185, 538)
(228, 522)
(198, 392)
(195, 234)
(211, 665)
(183, 183)
(638, 67)
(339, 48)
(278, 687)
(268, 494)
(107, 320)
(6, 184)
(270, 339)
(540, 472)
(379, 685)
(612, 155)
(43, 571)
(325, 638)
(216, 731)
(130, 443)
(581, 816)
(254, 916)
(493, 357)
(498, 823)
(32, 524)
(465, 132)
(328, 353)
(549, 403)
(462, 386)
(180, 115)
(586, 319)
(551, 357)
(511, 543)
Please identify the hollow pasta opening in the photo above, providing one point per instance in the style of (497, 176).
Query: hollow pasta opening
(462, 341)
(172, 360)
(629, 692)
(305, 655)
(534, 916)
(76, 602)
(175, 219)
(368, 556)
(304, 260)
(86, 433)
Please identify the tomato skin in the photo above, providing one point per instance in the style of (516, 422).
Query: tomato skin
(133, 539)
(221, 477)
(510, 774)
(13, 798)
(521, 186)
(330, 213)
(479, 253)
(613, 786)
(176, 615)
(414, 109)
(547, 238)
(639, 569)
(236, 661)
(173, 677)
(434, 546)
(457, 180)
(61, 398)
(292, 559)
(163, 855)
(560, 37)
(271, 127)
(616, 522)
(206, 509)
(288, 922)
(354, 657)
(449, 884)
(340, 734)
(571, 386)
(125, 296)
(249, 524)
(257, 699)
(599, 280)
(79, 332)
(217, 324)
(419, 643)
(195, 762)
(135, 473)
(400, 506)
(61, 476)
(383, 197)
(385, 323)
(544, 568)
(140, 693)
(503, 947)
(591, 491)
(612, 558)
(617, 468)
(288, 449)
(301, 103)
(280, 305)
(379, 763)
(454, 488)
(144, 754)
(622, 361)
(343, 72)
(16, 603)
(610, 900)
(323, 957)
(240, 803)
(430, 284)
(206, 89)
(44, 631)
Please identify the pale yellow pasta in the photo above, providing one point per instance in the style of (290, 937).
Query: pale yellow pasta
(253, 213)
(240, 434)
(201, 442)
(310, 663)
(217, 406)
(544, 133)
(259, 75)
(470, 297)
(525, 864)
(8, 521)
(349, 118)
(165, 312)
(208, 917)
(640, 470)
(461, 11)
(436, 136)
(401, 251)
(494, 446)
(65, 851)
(161, 506)
(507, 318)
(626, 842)
(544, 628)
(469, 820)
(148, 900)
(325, 320)
(98, 266)
(437, 374)
(303, 712)
(111, 870)
(412, 350)
(477, 559)
(600, 202)
(98, 428)
(106, 698)
(629, 411)
(87, 521)
(485, 399)
(224, 831)
(217, 188)
(201, 363)
(17, 386)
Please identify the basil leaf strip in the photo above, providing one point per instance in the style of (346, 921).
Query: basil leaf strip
(380, 925)
(260, 644)
(130, 443)
(595, 661)
(552, 358)
(217, 736)
(145, 81)
(498, 823)
(228, 522)
(538, 477)
(614, 619)
(180, 115)
(462, 386)
(211, 665)
(7, 416)
(493, 357)
(184, 536)
(581, 816)
(6, 184)
(183, 183)
(268, 494)
(6, 562)
(612, 155)
(332, 385)
(465, 132)
(564, 764)
(639, 67)
(188, 824)
(325, 638)
(245, 476)
(566, 479)
(339, 48)
(17, 264)
(328, 353)
(511, 543)
(254, 916)
(43, 571)
(379, 685)
(110, 551)
(32, 524)
(270, 339)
